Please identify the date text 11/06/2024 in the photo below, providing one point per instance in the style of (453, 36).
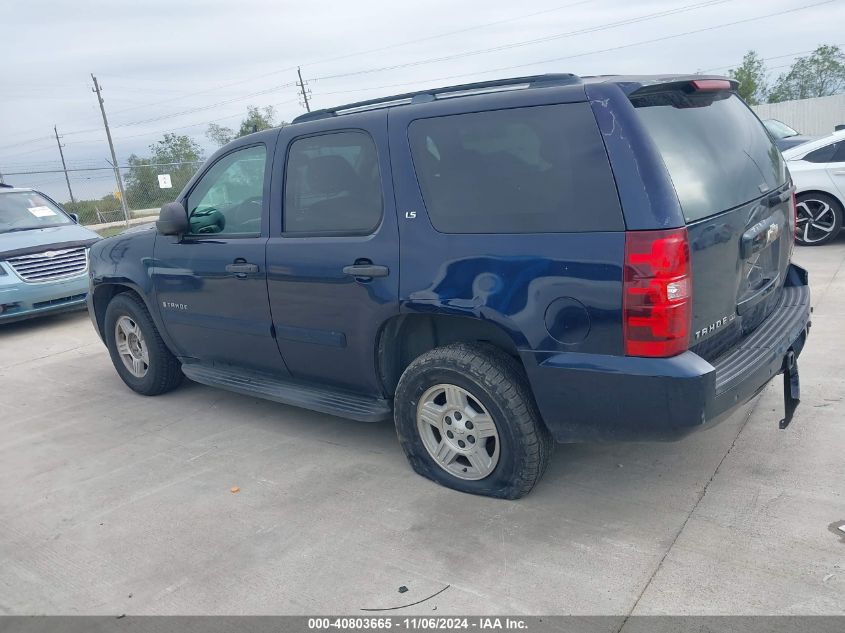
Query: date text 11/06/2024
(417, 623)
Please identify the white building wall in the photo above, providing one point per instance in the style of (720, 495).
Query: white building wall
(814, 117)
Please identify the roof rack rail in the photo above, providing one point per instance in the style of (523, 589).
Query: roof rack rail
(446, 92)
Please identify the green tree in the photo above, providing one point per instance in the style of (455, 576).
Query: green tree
(177, 155)
(219, 134)
(751, 75)
(257, 119)
(819, 75)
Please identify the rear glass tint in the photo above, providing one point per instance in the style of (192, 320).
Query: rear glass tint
(523, 170)
(718, 154)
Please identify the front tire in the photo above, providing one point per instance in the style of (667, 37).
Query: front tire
(137, 351)
(466, 419)
(819, 219)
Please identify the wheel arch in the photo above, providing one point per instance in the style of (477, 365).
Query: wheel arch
(824, 192)
(105, 291)
(405, 337)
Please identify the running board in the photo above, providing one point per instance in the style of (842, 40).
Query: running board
(259, 385)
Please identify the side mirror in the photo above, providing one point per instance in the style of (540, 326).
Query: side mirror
(74, 217)
(172, 220)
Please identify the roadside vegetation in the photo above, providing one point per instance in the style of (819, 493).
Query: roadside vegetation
(820, 74)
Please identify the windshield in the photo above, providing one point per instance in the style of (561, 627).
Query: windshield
(717, 153)
(26, 210)
(779, 129)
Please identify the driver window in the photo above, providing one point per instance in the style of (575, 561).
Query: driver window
(228, 198)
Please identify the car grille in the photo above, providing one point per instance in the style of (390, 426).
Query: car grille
(50, 265)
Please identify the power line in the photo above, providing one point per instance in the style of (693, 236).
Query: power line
(669, 37)
(594, 29)
(649, 41)
(765, 59)
(199, 108)
(447, 34)
(365, 52)
(151, 133)
(109, 168)
(431, 80)
(246, 96)
(335, 58)
(162, 117)
(32, 140)
(419, 62)
(182, 127)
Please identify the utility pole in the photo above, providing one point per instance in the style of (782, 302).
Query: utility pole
(64, 166)
(96, 89)
(302, 85)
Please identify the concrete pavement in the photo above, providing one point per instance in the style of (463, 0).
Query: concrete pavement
(113, 503)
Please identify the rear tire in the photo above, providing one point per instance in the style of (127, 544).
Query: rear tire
(498, 446)
(137, 351)
(819, 219)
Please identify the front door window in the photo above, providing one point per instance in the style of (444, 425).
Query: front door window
(229, 198)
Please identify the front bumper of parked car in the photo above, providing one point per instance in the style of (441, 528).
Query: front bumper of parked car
(22, 300)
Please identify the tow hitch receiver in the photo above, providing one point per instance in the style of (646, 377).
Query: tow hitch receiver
(791, 388)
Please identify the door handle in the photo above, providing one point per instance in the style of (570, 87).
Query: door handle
(366, 271)
(241, 268)
(840, 172)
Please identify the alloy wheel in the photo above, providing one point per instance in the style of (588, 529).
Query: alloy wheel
(131, 346)
(458, 432)
(816, 219)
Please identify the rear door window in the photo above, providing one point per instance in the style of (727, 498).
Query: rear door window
(333, 184)
(717, 152)
(523, 170)
(833, 153)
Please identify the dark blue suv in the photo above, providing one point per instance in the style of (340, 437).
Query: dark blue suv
(497, 266)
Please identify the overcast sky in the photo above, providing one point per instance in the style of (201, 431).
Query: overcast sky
(175, 66)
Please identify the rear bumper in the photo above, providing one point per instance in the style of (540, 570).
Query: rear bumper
(21, 300)
(592, 397)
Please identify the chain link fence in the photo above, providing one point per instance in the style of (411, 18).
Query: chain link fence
(92, 192)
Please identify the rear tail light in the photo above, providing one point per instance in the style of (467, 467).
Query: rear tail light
(657, 304)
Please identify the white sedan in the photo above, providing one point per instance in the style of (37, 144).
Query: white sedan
(818, 170)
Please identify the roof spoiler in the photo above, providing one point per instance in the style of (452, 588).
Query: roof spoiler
(689, 85)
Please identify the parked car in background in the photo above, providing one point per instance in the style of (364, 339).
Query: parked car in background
(818, 169)
(496, 266)
(43, 256)
(785, 137)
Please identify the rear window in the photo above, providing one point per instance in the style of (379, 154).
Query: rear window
(523, 170)
(718, 154)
